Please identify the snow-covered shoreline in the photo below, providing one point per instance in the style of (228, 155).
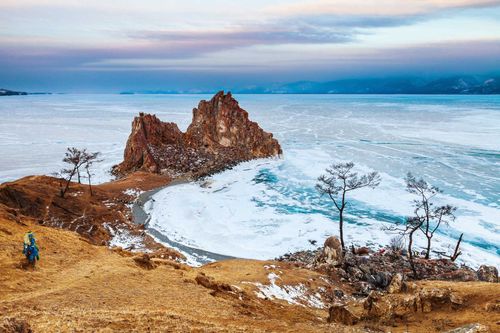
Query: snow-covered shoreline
(232, 214)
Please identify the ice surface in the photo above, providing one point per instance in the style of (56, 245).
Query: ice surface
(262, 209)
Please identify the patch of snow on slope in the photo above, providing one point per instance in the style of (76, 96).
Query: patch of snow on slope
(292, 294)
(124, 239)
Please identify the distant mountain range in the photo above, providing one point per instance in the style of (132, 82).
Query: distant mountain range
(465, 85)
(5, 92)
(451, 85)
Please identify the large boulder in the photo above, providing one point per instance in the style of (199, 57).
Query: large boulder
(220, 135)
(487, 273)
(332, 253)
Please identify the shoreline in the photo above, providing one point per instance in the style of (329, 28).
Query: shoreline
(140, 217)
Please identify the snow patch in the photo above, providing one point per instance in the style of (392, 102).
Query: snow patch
(297, 295)
(124, 239)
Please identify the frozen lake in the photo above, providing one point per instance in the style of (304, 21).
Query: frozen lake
(262, 209)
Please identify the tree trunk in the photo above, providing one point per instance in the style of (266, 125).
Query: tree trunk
(341, 228)
(67, 186)
(68, 181)
(90, 183)
(90, 187)
(428, 251)
(410, 252)
(457, 252)
(410, 244)
(78, 173)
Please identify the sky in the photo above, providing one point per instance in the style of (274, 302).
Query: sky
(115, 45)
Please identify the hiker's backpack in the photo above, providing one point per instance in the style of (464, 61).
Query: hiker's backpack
(30, 249)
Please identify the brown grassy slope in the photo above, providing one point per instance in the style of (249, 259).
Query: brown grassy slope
(93, 217)
(81, 287)
(78, 286)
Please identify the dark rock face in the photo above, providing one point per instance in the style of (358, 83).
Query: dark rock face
(220, 135)
(149, 135)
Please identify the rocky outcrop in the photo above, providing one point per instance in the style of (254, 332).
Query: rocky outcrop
(220, 135)
(385, 308)
(385, 269)
(148, 135)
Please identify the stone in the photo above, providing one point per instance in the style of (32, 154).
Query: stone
(439, 298)
(396, 284)
(332, 251)
(144, 260)
(487, 273)
(471, 328)
(362, 251)
(216, 287)
(344, 314)
(13, 325)
(492, 306)
(381, 279)
(220, 136)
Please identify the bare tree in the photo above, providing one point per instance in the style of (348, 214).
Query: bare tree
(73, 157)
(88, 161)
(456, 252)
(338, 181)
(427, 218)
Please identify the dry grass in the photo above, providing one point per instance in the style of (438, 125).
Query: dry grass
(80, 287)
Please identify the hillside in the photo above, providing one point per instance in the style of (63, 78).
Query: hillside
(78, 286)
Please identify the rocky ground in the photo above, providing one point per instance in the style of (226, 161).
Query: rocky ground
(80, 287)
(369, 270)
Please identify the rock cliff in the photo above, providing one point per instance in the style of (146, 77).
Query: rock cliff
(220, 135)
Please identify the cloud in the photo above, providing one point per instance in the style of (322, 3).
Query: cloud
(291, 36)
(376, 7)
(251, 35)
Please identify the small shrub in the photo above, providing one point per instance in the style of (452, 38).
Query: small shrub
(396, 244)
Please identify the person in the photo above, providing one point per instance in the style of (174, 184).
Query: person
(30, 249)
